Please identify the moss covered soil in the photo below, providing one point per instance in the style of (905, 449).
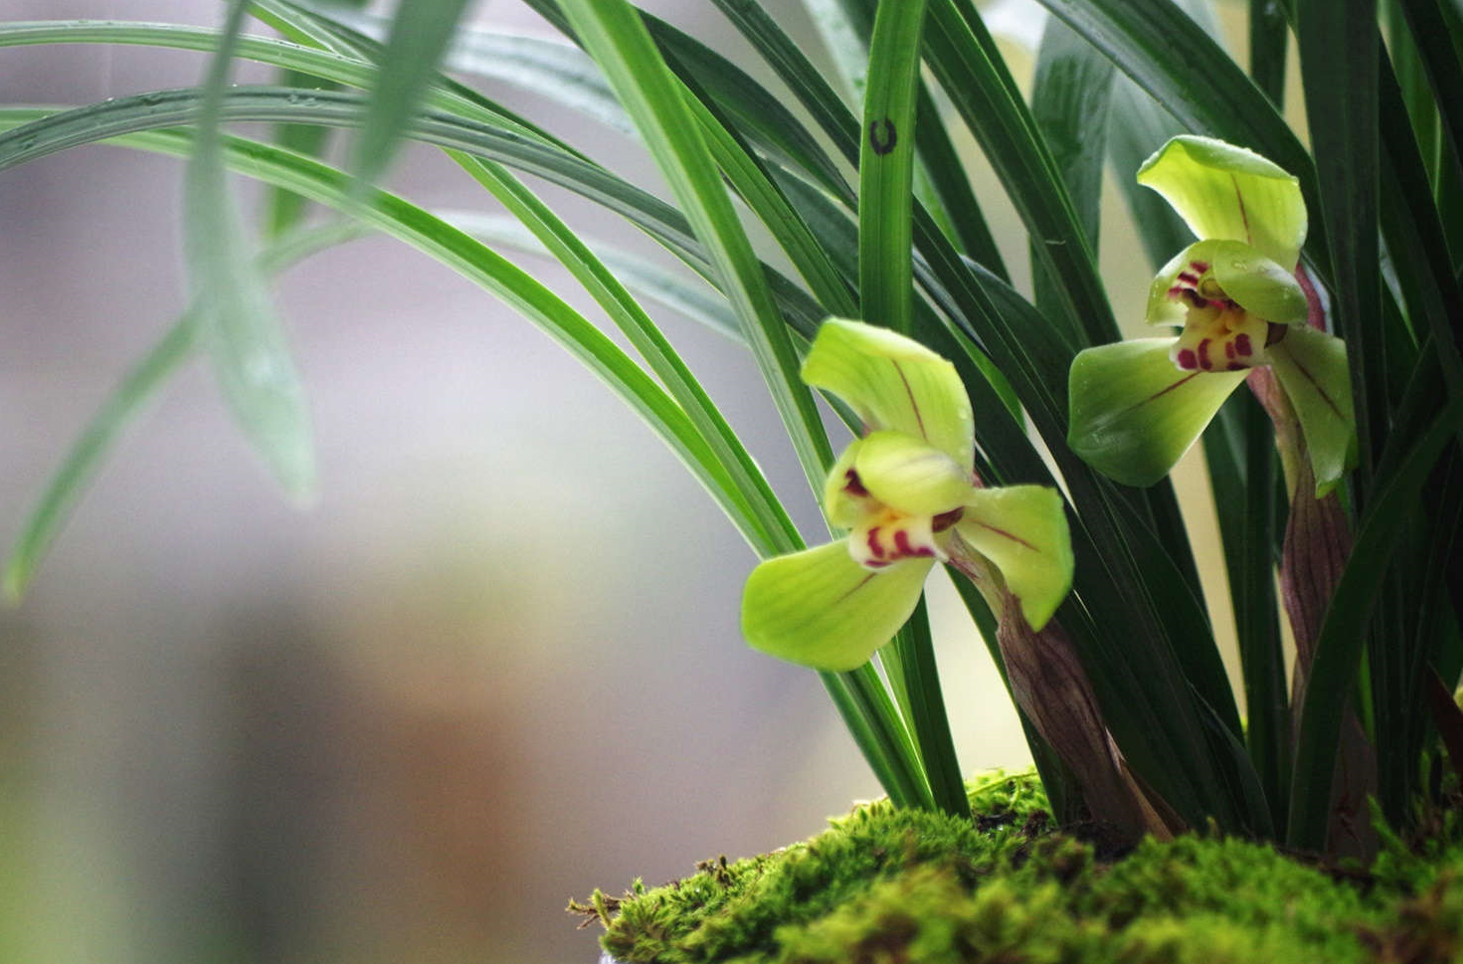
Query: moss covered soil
(887, 885)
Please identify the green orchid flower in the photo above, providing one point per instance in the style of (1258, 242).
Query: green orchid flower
(1138, 405)
(908, 495)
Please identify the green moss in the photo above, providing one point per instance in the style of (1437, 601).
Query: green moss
(887, 885)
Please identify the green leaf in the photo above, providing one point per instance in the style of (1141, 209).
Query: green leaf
(1417, 244)
(916, 661)
(612, 33)
(284, 210)
(965, 60)
(1137, 125)
(632, 320)
(886, 166)
(753, 184)
(1134, 414)
(846, 43)
(819, 608)
(687, 296)
(419, 36)
(893, 383)
(238, 327)
(1343, 633)
(1247, 491)
(1225, 192)
(1070, 98)
(553, 69)
(1023, 530)
(1269, 38)
(760, 116)
(1339, 46)
(1427, 21)
(1311, 366)
(60, 130)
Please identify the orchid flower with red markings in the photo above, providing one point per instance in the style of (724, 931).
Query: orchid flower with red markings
(908, 495)
(1138, 405)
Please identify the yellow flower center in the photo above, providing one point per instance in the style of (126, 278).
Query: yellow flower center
(1218, 334)
(884, 535)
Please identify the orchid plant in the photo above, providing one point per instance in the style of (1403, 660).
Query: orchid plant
(1004, 429)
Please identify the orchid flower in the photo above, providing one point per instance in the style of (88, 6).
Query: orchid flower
(908, 495)
(1137, 406)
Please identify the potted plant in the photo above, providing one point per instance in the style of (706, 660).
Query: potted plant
(1307, 301)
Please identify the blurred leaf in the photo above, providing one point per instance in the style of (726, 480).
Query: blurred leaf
(236, 319)
(1437, 47)
(142, 384)
(1069, 103)
(1416, 240)
(283, 209)
(419, 36)
(1269, 38)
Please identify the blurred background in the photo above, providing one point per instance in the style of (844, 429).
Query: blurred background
(496, 663)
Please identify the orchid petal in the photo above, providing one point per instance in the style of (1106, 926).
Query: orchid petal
(1311, 367)
(1023, 530)
(894, 383)
(819, 608)
(1259, 285)
(1163, 309)
(844, 502)
(908, 475)
(1225, 192)
(1133, 414)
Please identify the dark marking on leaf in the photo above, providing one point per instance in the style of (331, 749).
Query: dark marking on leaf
(882, 136)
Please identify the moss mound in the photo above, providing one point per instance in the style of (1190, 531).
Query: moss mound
(887, 885)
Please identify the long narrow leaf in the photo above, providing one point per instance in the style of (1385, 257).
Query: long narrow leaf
(886, 166)
(1070, 98)
(612, 33)
(1338, 47)
(1339, 648)
(419, 36)
(459, 251)
(961, 53)
(251, 357)
(631, 319)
